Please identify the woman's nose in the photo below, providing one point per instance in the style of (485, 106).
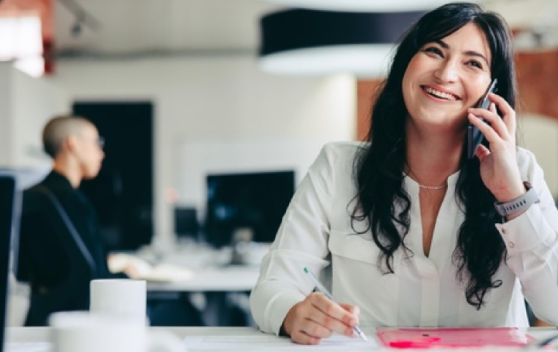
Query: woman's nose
(447, 72)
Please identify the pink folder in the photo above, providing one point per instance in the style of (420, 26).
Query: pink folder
(452, 337)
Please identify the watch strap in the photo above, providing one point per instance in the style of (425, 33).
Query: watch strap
(519, 204)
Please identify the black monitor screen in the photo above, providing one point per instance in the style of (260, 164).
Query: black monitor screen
(186, 222)
(7, 214)
(256, 201)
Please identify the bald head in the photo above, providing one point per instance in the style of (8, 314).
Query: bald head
(58, 129)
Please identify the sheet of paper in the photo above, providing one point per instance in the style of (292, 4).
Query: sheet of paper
(269, 342)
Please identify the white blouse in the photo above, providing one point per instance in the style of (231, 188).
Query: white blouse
(424, 291)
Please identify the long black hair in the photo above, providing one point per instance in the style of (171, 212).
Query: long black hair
(379, 169)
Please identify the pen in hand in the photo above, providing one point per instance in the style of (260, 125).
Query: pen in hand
(326, 293)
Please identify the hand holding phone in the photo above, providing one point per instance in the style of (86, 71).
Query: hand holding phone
(474, 135)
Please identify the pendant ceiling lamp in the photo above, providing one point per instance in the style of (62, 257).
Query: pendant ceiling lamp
(364, 5)
(311, 42)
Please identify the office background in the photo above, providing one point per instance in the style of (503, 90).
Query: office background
(196, 62)
(214, 111)
(205, 88)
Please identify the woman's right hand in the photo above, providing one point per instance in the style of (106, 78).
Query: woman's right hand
(318, 317)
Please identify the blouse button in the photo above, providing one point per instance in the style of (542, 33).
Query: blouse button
(504, 231)
(511, 244)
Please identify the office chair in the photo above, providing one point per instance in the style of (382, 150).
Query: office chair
(73, 292)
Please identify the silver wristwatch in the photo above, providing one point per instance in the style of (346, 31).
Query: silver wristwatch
(519, 204)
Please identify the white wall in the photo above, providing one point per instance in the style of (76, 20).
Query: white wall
(26, 103)
(540, 135)
(6, 114)
(35, 101)
(215, 100)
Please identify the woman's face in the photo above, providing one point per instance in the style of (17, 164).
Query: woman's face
(446, 77)
(89, 152)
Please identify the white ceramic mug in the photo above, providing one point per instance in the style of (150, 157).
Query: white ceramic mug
(119, 297)
(90, 332)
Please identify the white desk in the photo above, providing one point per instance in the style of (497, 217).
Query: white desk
(232, 278)
(204, 267)
(215, 282)
(27, 335)
(207, 275)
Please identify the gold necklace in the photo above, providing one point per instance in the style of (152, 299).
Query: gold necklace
(433, 188)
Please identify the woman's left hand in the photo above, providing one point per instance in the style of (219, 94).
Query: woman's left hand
(498, 165)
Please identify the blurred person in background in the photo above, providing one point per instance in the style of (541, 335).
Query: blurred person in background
(75, 146)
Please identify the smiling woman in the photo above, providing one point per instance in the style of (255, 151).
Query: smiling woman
(404, 228)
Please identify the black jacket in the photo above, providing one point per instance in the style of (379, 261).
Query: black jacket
(42, 255)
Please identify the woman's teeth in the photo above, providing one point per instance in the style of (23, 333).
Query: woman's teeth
(439, 94)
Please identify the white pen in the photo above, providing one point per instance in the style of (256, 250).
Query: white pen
(324, 291)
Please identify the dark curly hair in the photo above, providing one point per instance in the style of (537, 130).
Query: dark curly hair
(379, 169)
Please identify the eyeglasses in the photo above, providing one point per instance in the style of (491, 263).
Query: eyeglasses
(100, 142)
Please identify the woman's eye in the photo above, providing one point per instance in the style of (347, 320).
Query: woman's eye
(475, 64)
(433, 50)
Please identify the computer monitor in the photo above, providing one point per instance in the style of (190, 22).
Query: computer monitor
(8, 215)
(186, 222)
(254, 201)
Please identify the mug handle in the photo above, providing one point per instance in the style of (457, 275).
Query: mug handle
(165, 341)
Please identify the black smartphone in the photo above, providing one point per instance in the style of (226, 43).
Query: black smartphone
(474, 135)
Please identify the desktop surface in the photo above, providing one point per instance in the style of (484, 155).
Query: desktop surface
(192, 268)
(244, 339)
(229, 278)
